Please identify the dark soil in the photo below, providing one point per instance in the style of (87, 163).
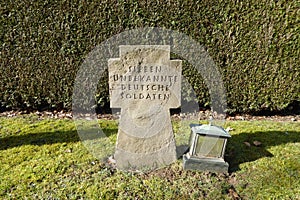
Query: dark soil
(203, 115)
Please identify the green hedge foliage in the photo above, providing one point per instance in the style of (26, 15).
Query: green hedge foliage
(256, 45)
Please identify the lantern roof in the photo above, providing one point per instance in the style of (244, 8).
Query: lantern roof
(212, 130)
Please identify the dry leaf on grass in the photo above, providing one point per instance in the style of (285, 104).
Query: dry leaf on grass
(257, 143)
(247, 144)
(68, 151)
(229, 129)
(233, 194)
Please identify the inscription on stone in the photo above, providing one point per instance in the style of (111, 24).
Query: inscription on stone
(145, 84)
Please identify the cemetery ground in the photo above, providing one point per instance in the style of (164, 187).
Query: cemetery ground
(43, 158)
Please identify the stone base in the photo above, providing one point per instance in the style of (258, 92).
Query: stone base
(145, 161)
(205, 164)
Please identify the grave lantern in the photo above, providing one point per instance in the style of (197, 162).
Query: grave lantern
(207, 148)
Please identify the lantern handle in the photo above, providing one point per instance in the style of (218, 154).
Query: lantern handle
(211, 117)
(210, 120)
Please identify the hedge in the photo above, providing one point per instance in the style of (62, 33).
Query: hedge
(256, 45)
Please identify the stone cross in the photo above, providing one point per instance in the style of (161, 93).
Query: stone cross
(145, 84)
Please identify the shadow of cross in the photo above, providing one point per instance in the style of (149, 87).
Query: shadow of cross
(145, 84)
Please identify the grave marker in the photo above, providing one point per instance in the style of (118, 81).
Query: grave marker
(145, 84)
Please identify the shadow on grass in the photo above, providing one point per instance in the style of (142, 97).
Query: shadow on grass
(237, 152)
(44, 138)
(38, 139)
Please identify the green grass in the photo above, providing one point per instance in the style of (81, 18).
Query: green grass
(45, 159)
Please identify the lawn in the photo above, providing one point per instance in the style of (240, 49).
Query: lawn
(45, 159)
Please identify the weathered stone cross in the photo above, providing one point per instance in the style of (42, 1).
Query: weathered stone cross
(145, 84)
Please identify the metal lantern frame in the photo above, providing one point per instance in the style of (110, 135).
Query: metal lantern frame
(207, 148)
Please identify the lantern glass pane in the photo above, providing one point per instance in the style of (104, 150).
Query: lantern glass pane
(209, 146)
